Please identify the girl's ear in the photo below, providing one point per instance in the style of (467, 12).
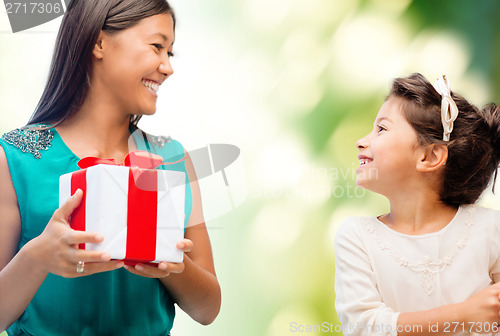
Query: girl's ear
(98, 51)
(432, 158)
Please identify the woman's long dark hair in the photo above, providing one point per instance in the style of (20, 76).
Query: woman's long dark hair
(70, 72)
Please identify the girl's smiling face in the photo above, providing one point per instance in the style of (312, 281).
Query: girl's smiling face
(130, 65)
(389, 153)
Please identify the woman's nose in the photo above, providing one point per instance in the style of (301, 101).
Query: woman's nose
(166, 67)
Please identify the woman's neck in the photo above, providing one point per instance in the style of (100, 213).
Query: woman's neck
(97, 130)
(418, 213)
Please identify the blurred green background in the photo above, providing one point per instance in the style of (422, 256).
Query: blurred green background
(294, 84)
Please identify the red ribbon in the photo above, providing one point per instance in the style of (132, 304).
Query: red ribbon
(141, 206)
(141, 159)
(79, 181)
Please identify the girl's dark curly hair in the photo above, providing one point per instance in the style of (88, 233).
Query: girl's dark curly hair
(474, 146)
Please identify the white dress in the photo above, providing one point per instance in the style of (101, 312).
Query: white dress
(381, 273)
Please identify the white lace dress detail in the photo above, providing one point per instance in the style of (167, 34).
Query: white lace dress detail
(427, 267)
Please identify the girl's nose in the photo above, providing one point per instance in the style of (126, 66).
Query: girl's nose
(361, 143)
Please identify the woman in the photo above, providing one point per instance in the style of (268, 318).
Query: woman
(110, 58)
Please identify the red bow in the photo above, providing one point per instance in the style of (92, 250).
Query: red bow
(140, 159)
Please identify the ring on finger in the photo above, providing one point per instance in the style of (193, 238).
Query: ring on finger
(80, 267)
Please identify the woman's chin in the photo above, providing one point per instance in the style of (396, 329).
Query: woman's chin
(148, 112)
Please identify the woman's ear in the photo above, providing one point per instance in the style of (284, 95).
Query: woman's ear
(98, 51)
(433, 157)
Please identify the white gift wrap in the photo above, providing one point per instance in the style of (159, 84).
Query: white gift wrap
(106, 209)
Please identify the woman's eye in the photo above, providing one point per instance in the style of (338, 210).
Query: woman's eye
(170, 54)
(158, 46)
(381, 128)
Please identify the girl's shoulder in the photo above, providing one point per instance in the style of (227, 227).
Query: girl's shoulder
(363, 224)
(484, 215)
(355, 228)
(354, 223)
(362, 231)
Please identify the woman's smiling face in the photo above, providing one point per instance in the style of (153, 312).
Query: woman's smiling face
(131, 64)
(388, 154)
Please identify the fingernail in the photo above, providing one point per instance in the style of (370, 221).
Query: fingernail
(181, 245)
(99, 237)
(139, 267)
(120, 264)
(163, 267)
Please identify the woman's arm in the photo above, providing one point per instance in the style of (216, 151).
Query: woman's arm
(53, 251)
(196, 290)
(192, 284)
(19, 277)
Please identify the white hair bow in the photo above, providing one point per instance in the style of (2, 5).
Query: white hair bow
(449, 109)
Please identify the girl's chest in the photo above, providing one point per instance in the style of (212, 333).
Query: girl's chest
(430, 271)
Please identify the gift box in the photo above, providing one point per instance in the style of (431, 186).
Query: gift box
(137, 209)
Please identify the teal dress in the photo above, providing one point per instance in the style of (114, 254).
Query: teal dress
(110, 303)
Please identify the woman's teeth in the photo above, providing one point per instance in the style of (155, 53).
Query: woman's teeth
(151, 85)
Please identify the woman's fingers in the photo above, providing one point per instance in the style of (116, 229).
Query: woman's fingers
(58, 243)
(69, 206)
(90, 262)
(99, 261)
(88, 268)
(99, 267)
(160, 271)
(163, 269)
(185, 245)
(172, 267)
(74, 237)
(147, 271)
(89, 256)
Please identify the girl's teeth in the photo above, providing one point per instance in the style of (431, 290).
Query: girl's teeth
(363, 161)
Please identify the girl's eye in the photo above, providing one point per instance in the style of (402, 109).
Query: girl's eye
(381, 128)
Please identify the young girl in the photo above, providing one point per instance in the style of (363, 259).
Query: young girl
(110, 58)
(428, 266)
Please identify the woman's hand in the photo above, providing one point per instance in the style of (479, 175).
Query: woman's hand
(56, 249)
(164, 268)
